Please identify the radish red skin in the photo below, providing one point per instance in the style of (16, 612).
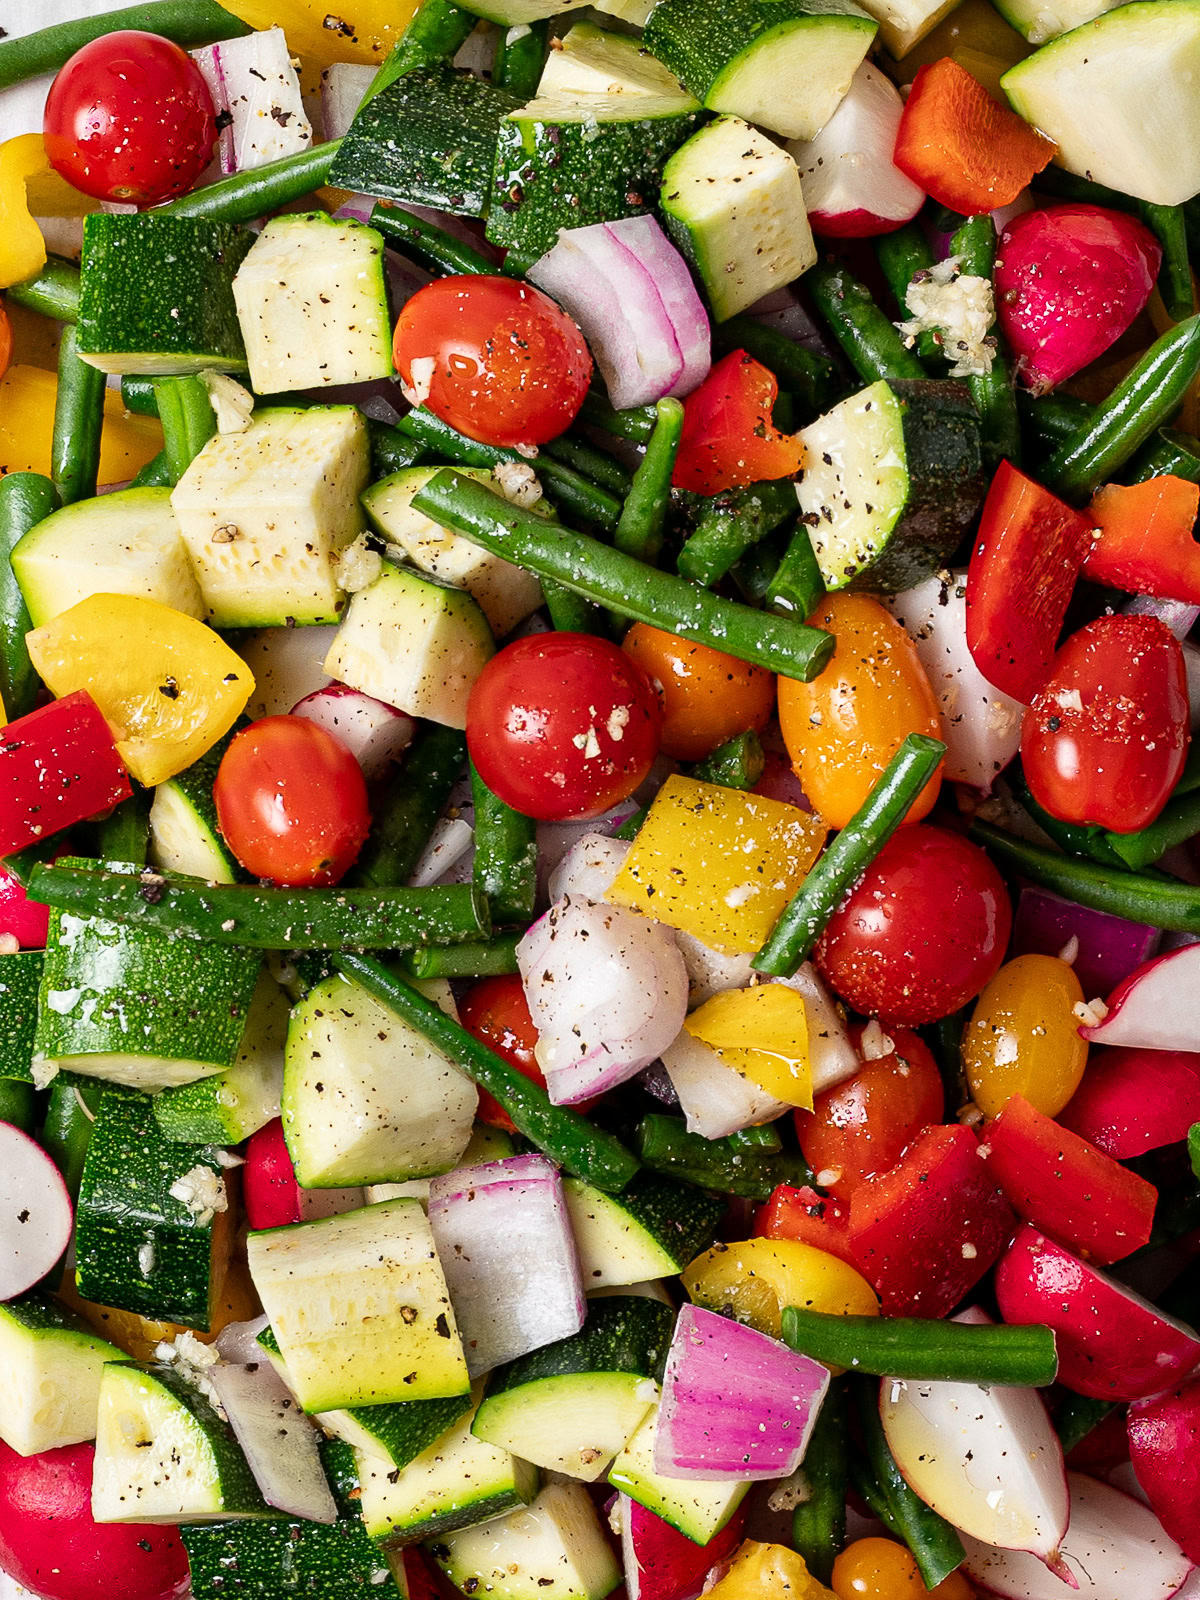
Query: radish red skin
(269, 1187)
(50, 1544)
(1069, 281)
(1112, 1345)
(1133, 1100)
(1164, 1446)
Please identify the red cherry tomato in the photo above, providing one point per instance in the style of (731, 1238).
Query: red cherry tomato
(496, 1013)
(862, 1127)
(1106, 738)
(563, 725)
(496, 359)
(292, 802)
(130, 118)
(50, 1544)
(922, 931)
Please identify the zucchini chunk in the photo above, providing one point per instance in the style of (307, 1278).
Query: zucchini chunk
(264, 1560)
(652, 1229)
(554, 1549)
(50, 1367)
(590, 60)
(698, 1508)
(20, 982)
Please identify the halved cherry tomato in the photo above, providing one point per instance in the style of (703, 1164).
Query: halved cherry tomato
(1107, 736)
(496, 359)
(496, 1013)
(707, 696)
(563, 725)
(922, 931)
(862, 1126)
(729, 440)
(6, 340)
(843, 728)
(130, 118)
(291, 802)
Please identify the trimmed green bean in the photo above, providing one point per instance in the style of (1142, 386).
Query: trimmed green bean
(570, 612)
(901, 255)
(403, 820)
(737, 521)
(564, 1135)
(188, 422)
(644, 514)
(137, 395)
(847, 858)
(811, 377)
(764, 1138)
(489, 958)
(1078, 1415)
(636, 424)
(797, 584)
(1049, 419)
(78, 421)
(819, 1522)
(518, 62)
(71, 1108)
(736, 764)
(620, 582)
(665, 1145)
(156, 474)
(1167, 453)
(52, 292)
(1175, 275)
(993, 392)
(259, 190)
(755, 572)
(125, 832)
(18, 1104)
(436, 32)
(922, 1349)
(184, 22)
(590, 462)
(1146, 398)
(870, 342)
(391, 450)
(936, 1547)
(1178, 821)
(26, 498)
(505, 867)
(432, 246)
(267, 918)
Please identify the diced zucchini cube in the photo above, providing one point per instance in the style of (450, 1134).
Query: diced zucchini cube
(554, 1548)
(698, 1507)
(50, 1366)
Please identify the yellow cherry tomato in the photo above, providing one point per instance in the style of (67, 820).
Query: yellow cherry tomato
(843, 728)
(167, 686)
(881, 1569)
(769, 1572)
(708, 697)
(1023, 1037)
(754, 1280)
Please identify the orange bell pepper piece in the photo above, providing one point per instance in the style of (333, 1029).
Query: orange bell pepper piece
(1145, 541)
(6, 341)
(965, 149)
(728, 439)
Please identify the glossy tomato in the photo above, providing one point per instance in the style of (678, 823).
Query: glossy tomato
(129, 117)
(729, 440)
(291, 802)
(496, 359)
(922, 931)
(563, 725)
(1107, 736)
(862, 1126)
(708, 697)
(495, 1012)
(50, 1544)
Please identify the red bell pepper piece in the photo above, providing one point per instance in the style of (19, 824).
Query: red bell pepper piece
(58, 765)
(812, 1218)
(1145, 542)
(1028, 554)
(728, 439)
(1066, 1187)
(926, 1232)
(962, 147)
(270, 1191)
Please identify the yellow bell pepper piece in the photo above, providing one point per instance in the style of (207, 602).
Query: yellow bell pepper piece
(22, 248)
(769, 1572)
(167, 686)
(754, 1280)
(27, 396)
(717, 863)
(326, 31)
(762, 1033)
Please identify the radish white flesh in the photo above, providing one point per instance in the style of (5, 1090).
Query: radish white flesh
(343, 86)
(374, 733)
(277, 1439)
(852, 188)
(35, 1213)
(1114, 1549)
(1157, 1007)
(287, 663)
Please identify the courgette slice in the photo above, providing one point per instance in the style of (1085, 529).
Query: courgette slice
(185, 835)
(50, 1368)
(264, 1560)
(554, 1549)
(591, 60)
(698, 1508)
(20, 981)
(652, 1229)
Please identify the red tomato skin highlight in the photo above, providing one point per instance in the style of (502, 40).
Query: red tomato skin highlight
(129, 118)
(499, 360)
(563, 725)
(729, 440)
(50, 1544)
(495, 1012)
(1106, 739)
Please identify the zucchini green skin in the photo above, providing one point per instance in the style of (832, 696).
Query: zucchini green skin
(505, 855)
(125, 1203)
(819, 1522)
(125, 832)
(623, 1333)
(245, 1560)
(427, 139)
(195, 786)
(404, 819)
(236, 1483)
(78, 420)
(71, 1106)
(254, 193)
(437, 32)
(26, 498)
(20, 981)
(678, 1218)
(17, 1104)
(185, 22)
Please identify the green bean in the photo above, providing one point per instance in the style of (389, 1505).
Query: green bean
(736, 764)
(564, 1135)
(1077, 839)
(568, 489)
(819, 1522)
(156, 474)
(1178, 821)
(666, 1146)
(901, 255)
(620, 582)
(488, 958)
(71, 1108)
(125, 832)
(78, 421)
(1077, 1416)
(570, 612)
(736, 522)
(1167, 453)
(137, 394)
(921, 1349)
(259, 190)
(404, 818)
(432, 246)
(636, 424)
(764, 1139)
(644, 514)
(1175, 274)
(1066, 185)
(1049, 419)
(267, 918)
(18, 1104)
(52, 292)
(391, 450)
(187, 419)
(26, 498)
(946, 1041)
(22, 862)
(811, 377)
(1146, 398)
(185, 22)
(797, 584)
(518, 62)
(755, 572)
(847, 858)
(505, 855)
(935, 1546)
(870, 342)
(993, 392)
(436, 32)
(1162, 902)
(591, 462)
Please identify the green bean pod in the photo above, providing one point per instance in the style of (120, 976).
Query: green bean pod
(636, 424)
(993, 392)
(432, 246)
(488, 958)
(1175, 275)
(436, 32)
(644, 514)
(391, 450)
(736, 764)
(901, 255)
(1166, 453)
(936, 1547)
(78, 423)
(870, 342)
(259, 190)
(665, 1146)
(404, 818)
(156, 474)
(736, 522)
(184, 22)
(819, 1522)
(921, 1349)
(53, 292)
(590, 462)
(797, 584)
(188, 422)
(505, 855)
(26, 498)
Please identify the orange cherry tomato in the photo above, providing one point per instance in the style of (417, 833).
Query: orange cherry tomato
(708, 697)
(861, 1127)
(843, 728)
(881, 1569)
(6, 340)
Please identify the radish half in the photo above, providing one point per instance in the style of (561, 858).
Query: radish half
(1164, 1434)
(852, 188)
(1114, 1547)
(1157, 1007)
(35, 1213)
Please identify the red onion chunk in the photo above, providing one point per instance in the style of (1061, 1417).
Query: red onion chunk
(1156, 1007)
(735, 1403)
(238, 1341)
(277, 1439)
(252, 80)
(374, 733)
(663, 1564)
(1110, 948)
(656, 255)
(589, 867)
(504, 1239)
